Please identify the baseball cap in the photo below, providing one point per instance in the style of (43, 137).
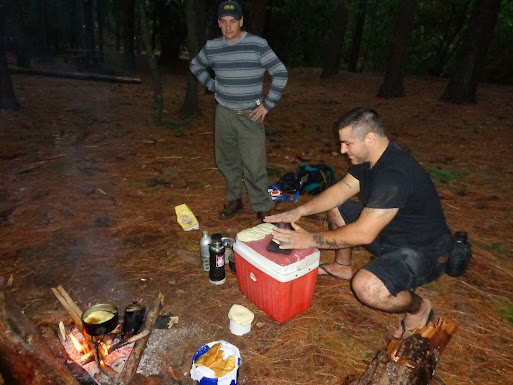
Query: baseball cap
(229, 8)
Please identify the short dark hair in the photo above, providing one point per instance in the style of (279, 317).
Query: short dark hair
(363, 120)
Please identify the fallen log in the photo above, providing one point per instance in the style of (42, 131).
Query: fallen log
(411, 360)
(73, 75)
(135, 357)
(25, 358)
(50, 335)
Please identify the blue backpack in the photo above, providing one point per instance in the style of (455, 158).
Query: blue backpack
(315, 178)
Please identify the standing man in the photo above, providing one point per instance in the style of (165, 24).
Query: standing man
(399, 219)
(239, 61)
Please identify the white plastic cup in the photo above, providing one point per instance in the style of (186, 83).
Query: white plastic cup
(239, 329)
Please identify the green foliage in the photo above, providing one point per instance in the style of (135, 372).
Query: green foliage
(378, 29)
(446, 176)
(505, 308)
(298, 30)
(438, 30)
(495, 247)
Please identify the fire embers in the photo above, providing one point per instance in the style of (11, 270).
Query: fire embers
(80, 352)
(103, 346)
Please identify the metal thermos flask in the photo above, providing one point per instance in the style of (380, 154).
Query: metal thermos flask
(133, 319)
(204, 251)
(216, 274)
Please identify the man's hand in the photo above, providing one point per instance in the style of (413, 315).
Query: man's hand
(258, 113)
(287, 216)
(293, 239)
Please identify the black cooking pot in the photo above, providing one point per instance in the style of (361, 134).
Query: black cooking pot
(96, 322)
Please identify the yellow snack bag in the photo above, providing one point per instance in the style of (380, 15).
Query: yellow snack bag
(186, 218)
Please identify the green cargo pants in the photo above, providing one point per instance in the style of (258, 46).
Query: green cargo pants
(240, 155)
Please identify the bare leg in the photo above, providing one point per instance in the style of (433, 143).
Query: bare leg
(372, 292)
(342, 266)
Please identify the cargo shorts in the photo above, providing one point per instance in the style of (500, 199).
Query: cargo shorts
(399, 268)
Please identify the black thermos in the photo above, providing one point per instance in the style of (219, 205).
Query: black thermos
(133, 319)
(216, 274)
(460, 255)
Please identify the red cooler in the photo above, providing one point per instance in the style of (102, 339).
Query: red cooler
(281, 285)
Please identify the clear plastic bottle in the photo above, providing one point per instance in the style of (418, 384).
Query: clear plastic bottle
(204, 251)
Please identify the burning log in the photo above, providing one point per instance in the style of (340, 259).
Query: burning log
(54, 343)
(120, 344)
(76, 313)
(68, 304)
(25, 358)
(411, 360)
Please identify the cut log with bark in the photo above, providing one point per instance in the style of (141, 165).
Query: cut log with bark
(25, 358)
(411, 360)
(74, 75)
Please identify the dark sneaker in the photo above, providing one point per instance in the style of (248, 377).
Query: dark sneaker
(262, 214)
(230, 209)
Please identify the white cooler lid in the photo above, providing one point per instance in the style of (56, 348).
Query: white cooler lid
(282, 267)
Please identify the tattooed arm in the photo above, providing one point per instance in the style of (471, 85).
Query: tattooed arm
(361, 232)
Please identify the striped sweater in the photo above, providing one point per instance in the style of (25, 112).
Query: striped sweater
(239, 71)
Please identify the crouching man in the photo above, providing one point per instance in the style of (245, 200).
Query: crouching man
(399, 219)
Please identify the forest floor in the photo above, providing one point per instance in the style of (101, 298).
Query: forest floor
(87, 195)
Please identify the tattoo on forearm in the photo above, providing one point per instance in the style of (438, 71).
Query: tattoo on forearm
(347, 184)
(323, 243)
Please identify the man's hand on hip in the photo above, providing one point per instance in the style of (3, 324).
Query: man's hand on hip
(258, 113)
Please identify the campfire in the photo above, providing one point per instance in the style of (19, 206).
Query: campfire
(98, 344)
(109, 353)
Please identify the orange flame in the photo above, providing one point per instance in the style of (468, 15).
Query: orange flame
(79, 346)
(76, 344)
(105, 348)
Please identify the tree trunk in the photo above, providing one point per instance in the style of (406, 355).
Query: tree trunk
(357, 36)
(100, 20)
(392, 86)
(77, 20)
(75, 75)
(336, 46)
(173, 28)
(255, 16)
(190, 104)
(452, 39)
(25, 358)
(89, 31)
(7, 97)
(128, 24)
(21, 46)
(462, 85)
(44, 49)
(154, 68)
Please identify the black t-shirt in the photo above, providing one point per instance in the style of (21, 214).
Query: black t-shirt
(397, 180)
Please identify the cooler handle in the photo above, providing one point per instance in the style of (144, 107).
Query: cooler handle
(252, 276)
